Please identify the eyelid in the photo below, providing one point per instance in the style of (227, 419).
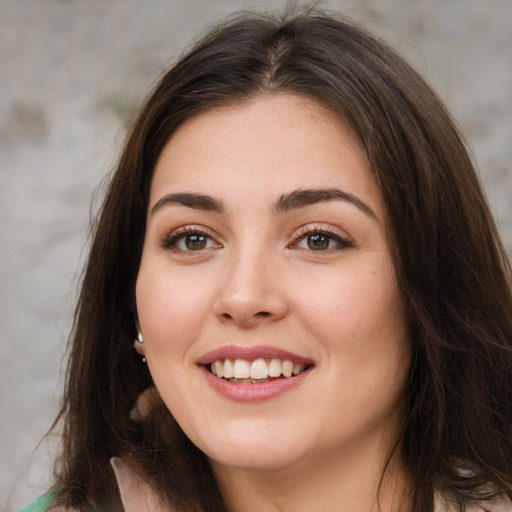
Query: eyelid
(169, 240)
(344, 241)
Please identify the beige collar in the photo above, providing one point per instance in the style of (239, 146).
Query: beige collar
(138, 496)
(499, 504)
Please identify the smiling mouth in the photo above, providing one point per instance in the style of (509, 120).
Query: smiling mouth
(257, 371)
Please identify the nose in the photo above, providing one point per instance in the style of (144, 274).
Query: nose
(250, 291)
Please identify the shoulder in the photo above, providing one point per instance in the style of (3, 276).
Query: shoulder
(501, 503)
(41, 504)
(46, 503)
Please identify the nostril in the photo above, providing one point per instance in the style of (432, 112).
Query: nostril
(243, 318)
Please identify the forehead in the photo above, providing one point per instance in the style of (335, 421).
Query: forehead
(273, 142)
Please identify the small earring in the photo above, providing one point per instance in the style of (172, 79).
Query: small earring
(140, 339)
(143, 360)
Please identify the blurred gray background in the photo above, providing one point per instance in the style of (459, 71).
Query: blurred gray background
(71, 74)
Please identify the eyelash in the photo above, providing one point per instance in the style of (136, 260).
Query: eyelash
(308, 231)
(170, 241)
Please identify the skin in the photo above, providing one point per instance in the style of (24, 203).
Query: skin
(256, 280)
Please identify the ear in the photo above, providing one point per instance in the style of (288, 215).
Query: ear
(139, 348)
(137, 345)
(136, 321)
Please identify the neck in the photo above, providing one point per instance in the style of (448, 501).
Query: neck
(340, 482)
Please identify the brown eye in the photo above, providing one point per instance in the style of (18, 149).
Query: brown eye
(195, 242)
(318, 242)
(321, 241)
(189, 240)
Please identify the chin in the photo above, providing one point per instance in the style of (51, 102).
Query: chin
(255, 459)
(251, 449)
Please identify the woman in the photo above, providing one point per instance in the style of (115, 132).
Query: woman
(297, 242)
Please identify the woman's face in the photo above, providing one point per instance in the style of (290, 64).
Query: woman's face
(273, 327)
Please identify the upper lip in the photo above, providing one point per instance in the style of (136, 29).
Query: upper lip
(250, 354)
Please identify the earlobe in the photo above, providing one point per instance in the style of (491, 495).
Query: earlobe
(138, 345)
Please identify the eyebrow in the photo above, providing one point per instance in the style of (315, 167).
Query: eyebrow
(305, 197)
(196, 201)
(293, 200)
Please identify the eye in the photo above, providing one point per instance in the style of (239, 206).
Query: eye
(320, 240)
(189, 240)
(193, 242)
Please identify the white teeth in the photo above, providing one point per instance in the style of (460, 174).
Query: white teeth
(241, 369)
(287, 368)
(297, 368)
(218, 368)
(228, 369)
(274, 368)
(259, 369)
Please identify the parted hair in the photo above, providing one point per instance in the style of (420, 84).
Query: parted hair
(453, 273)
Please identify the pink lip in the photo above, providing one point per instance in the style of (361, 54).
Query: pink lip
(242, 392)
(250, 354)
(246, 392)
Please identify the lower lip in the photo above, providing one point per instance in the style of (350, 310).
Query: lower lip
(246, 392)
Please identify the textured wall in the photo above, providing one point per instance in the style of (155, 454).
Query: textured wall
(71, 73)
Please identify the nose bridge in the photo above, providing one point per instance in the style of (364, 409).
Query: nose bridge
(249, 291)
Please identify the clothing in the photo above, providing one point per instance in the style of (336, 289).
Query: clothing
(138, 496)
(45, 503)
(41, 504)
(502, 504)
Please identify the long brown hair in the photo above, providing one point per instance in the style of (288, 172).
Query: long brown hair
(453, 273)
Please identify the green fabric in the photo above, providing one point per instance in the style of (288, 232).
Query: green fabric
(42, 504)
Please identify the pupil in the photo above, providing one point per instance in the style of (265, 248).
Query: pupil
(318, 242)
(195, 242)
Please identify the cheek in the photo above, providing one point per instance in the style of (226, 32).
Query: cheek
(170, 308)
(353, 305)
(361, 328)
